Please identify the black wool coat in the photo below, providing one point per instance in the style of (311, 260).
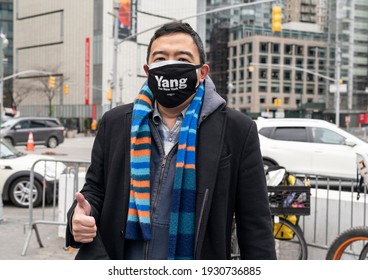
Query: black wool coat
(230, 181)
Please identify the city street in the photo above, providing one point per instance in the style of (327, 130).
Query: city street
(78, 148)
(13, 228)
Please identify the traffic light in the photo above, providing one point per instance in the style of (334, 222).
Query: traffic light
(109, 94)
(276, 18)
(66, 89)
(341, 81)
(51, 82)
(277, 102)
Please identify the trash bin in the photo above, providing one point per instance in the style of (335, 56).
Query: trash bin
(68, 186)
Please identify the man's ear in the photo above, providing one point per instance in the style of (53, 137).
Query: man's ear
(203, 71)
(145, 68)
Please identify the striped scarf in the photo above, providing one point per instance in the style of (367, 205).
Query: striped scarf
(182, 219)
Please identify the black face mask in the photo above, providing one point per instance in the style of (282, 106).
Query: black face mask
(172, 82)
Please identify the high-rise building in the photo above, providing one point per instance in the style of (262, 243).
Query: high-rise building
(348, 41)
(6, 27)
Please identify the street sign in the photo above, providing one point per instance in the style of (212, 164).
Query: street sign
(342, 88)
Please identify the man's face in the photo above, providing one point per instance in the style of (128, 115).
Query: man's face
(177, 46)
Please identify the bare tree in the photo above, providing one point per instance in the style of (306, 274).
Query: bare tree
(43, 84)
(20, 92)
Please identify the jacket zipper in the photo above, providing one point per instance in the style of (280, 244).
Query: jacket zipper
(200, 223)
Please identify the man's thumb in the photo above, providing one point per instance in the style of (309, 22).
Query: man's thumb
(83, 203)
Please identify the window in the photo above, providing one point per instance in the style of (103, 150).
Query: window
(263, 73)
(287, 61)
(288, 49)
(287, 100)
(242, 48)
(299, 76)
(263, 47)
(250, 48)
(275, 48)
(299, 62)
(275, 88)
(311, 63)
(326, 136)
(52, 123)
(275, 60)
(263, 59)
(310, 77)
(310, 89)
(287, 88)
(298, 134)
(287, 75)
(311, 51)
(299, 50)
(22, 124)
(262, 87)
(275, 74)
(299, 88)
(233, 63)
(262, 100)
(37, 124)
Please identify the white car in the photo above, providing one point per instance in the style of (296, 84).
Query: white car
(310, 146)
(15, 169)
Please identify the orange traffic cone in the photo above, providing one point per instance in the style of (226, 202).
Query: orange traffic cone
(30, 143)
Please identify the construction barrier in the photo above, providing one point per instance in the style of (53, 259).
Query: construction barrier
(64, 186)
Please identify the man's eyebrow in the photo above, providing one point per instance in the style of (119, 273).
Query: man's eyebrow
(177, 53)
(158, 52)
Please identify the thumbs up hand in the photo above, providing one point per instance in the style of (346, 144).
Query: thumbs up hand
(83, 225)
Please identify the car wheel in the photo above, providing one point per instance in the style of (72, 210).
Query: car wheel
(20, 192)
(267, 163)
(9, 140)
(52, 142)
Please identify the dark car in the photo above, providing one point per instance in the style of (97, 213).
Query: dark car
(46, 131)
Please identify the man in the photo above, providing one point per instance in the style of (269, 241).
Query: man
(169, 173)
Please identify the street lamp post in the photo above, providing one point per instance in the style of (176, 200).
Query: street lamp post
(335, 80)
(3, 44)
(115, 54)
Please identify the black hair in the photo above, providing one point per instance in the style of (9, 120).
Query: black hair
(179, 27)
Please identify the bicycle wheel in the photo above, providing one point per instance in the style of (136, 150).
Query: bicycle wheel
(350, 244)
(290, 249)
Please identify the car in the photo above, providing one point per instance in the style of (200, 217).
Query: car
(46, 131)
(310, 146)
(15, 170)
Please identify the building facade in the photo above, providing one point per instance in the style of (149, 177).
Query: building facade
(6, 27)
(74, 40)
(276, 73)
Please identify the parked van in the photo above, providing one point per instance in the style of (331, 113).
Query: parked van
(46, 131)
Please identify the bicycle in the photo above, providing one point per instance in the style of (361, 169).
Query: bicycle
(350, 244)
(353, 242)
(287, 204)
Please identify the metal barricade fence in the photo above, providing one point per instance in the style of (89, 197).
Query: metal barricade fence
(61, 180)
(336, 205)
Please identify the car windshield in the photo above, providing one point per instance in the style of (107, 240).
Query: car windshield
(8, 123)
(8, 151)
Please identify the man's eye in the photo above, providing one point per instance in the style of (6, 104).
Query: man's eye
(183, 60)
(158, 59)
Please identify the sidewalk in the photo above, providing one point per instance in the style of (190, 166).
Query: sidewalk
(13, 236)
